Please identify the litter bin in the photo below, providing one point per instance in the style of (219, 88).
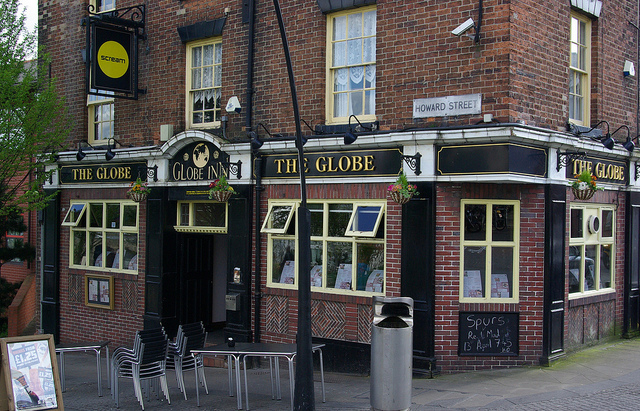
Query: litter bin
(391, 353)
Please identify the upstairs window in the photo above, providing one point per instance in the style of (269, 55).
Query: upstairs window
(580, 70)
(351, 76)
(101, 118)
(204, 83)
(101, 6)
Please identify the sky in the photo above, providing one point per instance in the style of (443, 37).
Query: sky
(31, 11)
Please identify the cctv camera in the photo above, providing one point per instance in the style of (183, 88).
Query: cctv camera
(233, 105)
(463, 28)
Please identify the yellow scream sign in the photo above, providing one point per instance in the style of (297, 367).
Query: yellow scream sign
(113, 59)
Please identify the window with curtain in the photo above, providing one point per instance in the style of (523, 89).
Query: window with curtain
(351, 77)
(101, 118)
(204, 83)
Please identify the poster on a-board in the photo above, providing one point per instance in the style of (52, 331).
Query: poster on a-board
(29, 378)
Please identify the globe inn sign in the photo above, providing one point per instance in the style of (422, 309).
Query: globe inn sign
(197, 162)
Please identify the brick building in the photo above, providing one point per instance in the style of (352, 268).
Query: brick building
(491, 118)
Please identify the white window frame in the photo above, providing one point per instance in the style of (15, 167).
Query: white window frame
(592, 238)
(581, 70)
(191, 227)
(82, 225)
(488, 244)
(216, 86)
(358, 209)
(267, 225)
(333, 67)
(110, 5)
(358, 241)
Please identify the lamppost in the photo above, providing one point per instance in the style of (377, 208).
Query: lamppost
(303, 394)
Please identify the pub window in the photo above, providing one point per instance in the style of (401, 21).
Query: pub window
(489, 248)
(351, 69)
(204, 82)
(201, 217)
(103, 235)
(101, 118)
(347, 246)
(591, 254)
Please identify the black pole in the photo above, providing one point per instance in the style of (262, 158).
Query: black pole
(303, 394)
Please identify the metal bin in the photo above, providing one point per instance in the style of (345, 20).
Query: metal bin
(391, 353)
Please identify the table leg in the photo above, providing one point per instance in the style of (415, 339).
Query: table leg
(230, 372)
(291, 377)
(239, 384)
(278, 390)
(99, 369)
(108, 368)
(322, 375)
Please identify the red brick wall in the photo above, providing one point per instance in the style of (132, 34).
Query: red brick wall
(447, 305)
(79, 322)
(519, 67)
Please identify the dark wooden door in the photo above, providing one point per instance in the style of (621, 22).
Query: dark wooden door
(195, 278)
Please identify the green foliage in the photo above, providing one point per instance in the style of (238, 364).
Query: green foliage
(7, 293)
(33, 121)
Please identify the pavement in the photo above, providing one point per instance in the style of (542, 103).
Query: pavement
(603, 377)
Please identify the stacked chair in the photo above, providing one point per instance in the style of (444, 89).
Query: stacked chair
(190, 337)
(144, 363)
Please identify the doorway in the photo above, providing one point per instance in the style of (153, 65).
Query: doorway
(202, 263)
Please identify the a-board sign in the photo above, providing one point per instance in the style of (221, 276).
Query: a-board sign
(29, 378)
(488, 334)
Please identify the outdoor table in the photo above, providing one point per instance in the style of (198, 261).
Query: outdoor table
(269, 350)
(76, 347)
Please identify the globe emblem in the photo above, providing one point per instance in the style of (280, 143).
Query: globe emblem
(201, 155)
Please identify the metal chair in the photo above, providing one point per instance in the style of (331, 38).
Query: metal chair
(190, 337)
(144, 363)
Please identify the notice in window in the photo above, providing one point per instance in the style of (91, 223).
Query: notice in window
(472, 284)
(500, 286)
(288, 273)
(316, 276)
(343, 280)
(374, 282)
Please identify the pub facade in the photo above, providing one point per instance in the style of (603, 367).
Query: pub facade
(509, 258)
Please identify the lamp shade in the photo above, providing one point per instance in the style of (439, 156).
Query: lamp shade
(608, 142)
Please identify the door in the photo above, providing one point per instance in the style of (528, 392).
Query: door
(195, 278)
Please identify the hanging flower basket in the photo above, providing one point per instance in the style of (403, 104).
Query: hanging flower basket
(583, 194)
(222, 196)
(399, 198)
(137, 196)
(220, 190)
(402, 191)
(585, 185)
(138, 190)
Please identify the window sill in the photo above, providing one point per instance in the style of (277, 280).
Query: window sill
(579, 300)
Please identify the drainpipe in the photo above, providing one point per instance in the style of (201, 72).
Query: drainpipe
(250, 6)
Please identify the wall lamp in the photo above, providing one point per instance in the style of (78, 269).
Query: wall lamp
(607, 141)
(109, 155)
(81, 154)
(629, 145)
(610, 142)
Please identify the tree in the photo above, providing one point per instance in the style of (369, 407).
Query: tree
(33, 126)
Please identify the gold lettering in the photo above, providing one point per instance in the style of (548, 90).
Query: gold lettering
(357, 163)
(368, 163)
(321, 166)
(178, 172)
(279, 165)
(344, 163)
(331, 168)
(291, 164)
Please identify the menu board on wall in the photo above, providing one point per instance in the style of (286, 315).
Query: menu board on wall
(29, 374)
(488, 334)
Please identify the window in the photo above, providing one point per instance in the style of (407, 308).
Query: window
(579, 70)
(104, 235)
(347, 245)
(202, 217)
(351, 74)
(204, 83)
(15, 239)
(591, 249)
(101, 118)
(489, 249)
(100, 6)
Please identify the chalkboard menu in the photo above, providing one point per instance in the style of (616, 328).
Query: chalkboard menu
(488, 333)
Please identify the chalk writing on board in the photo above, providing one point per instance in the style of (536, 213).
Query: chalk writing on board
(488, 334)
